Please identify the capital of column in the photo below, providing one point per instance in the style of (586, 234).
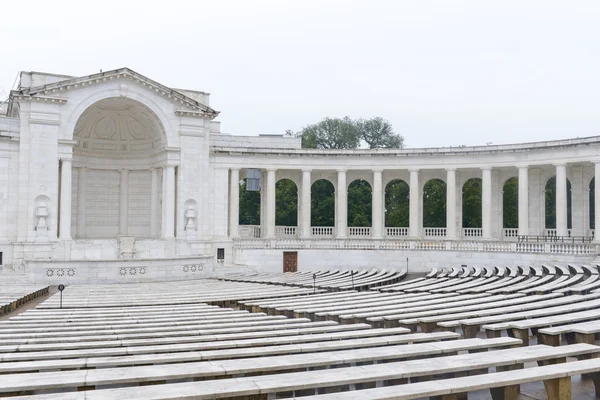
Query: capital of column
(560, 164)
(304, 170)
(234, 168)
(377, 169)
(486, 168)
(413, 170)
(342, 170)
(450, 169)
(271, 169)
(522, 166)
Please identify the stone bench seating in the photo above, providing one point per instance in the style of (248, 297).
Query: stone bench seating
(501, 283)
(427, 319)
(429, 302)
(310, 343)
(436, 285)
(395, 373)
(340, 280)
(313, 311)
(472, 323)
(200, 330)
(323, 313)
(562, 313)
(537, 270)
(502, 385)
(521, 328)
(417, 283)
(580, 332)
(13, 296)
(222, 368)
(557, 284)
(467, 284)
(320, 312)
(286, 307)
(513, 288)
(528, 284)
(264, 305)
(376, 282)
(451, 321)
(239, 348)
(435, 303)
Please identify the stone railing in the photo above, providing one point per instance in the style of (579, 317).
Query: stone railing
(435, 244)
(510, 233)
(285, 231)
(472, 232)
(434, 232)
(552, 232)
(360, 231)
(249, 231)
(322, 231)
(396, 232)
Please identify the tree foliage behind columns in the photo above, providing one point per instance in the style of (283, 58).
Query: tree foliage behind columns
(397, 204)
(359, 203)
(471, 203)
(286, 203)
(510, 203)
(434, 204)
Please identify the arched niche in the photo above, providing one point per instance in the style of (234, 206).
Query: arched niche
(397, 204)
(118, 142)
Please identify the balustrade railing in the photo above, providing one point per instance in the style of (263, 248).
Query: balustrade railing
(472, 232)
(420, 244)
(552, 232)
(249, 231)
(510, 233)
(322, 231)
(361, 231)
(434, 232)
(285, 231)
(396, 232)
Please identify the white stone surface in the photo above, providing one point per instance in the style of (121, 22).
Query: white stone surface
(136, 155)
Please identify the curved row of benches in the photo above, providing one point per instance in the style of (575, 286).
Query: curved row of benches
(204, 351)
(13, 295)
(333, 280)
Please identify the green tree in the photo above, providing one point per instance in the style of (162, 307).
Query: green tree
(510, 203)
(359, 203)
(397, 204)
(322, 203)
(379, 133)
(286, 203)
(471, 203)
(249, 210)
(331, 133)
(434, 204)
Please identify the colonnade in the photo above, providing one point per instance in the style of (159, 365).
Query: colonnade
(168, 190)
(415, 203)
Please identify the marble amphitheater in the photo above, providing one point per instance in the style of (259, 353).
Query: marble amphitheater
(125, 191)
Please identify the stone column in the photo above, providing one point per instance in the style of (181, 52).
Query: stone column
(124, 202)
(414, 205)
(168, 205)
(523, 201)
(305, 202)
(234, 203)
(81, 185)
(341, 200)
(486, 202)
(597, 203)
(65, 199)
(270, 206)
(561, 200)
(451, 203)
(377, 205)
(154, 204)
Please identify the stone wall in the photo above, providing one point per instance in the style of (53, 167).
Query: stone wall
(271, 260)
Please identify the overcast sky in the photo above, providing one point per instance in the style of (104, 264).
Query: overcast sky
(444, 73)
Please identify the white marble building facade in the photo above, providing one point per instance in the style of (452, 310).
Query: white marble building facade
(116, 177)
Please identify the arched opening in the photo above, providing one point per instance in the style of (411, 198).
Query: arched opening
(249, 209)
(471, 204)
(434, 204)
(397, 206)
(592, 203)
(359, 204)
(322, 205)
(117, 188)
(286, 203)
(510, 204)
(550, 204)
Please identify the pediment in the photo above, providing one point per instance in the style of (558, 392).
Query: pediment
(52, 92)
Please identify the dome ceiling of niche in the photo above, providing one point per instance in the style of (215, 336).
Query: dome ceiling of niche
(118, 126)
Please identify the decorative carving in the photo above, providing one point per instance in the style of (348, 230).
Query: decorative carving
(131, 271)
(59, 272)
(193, 268)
